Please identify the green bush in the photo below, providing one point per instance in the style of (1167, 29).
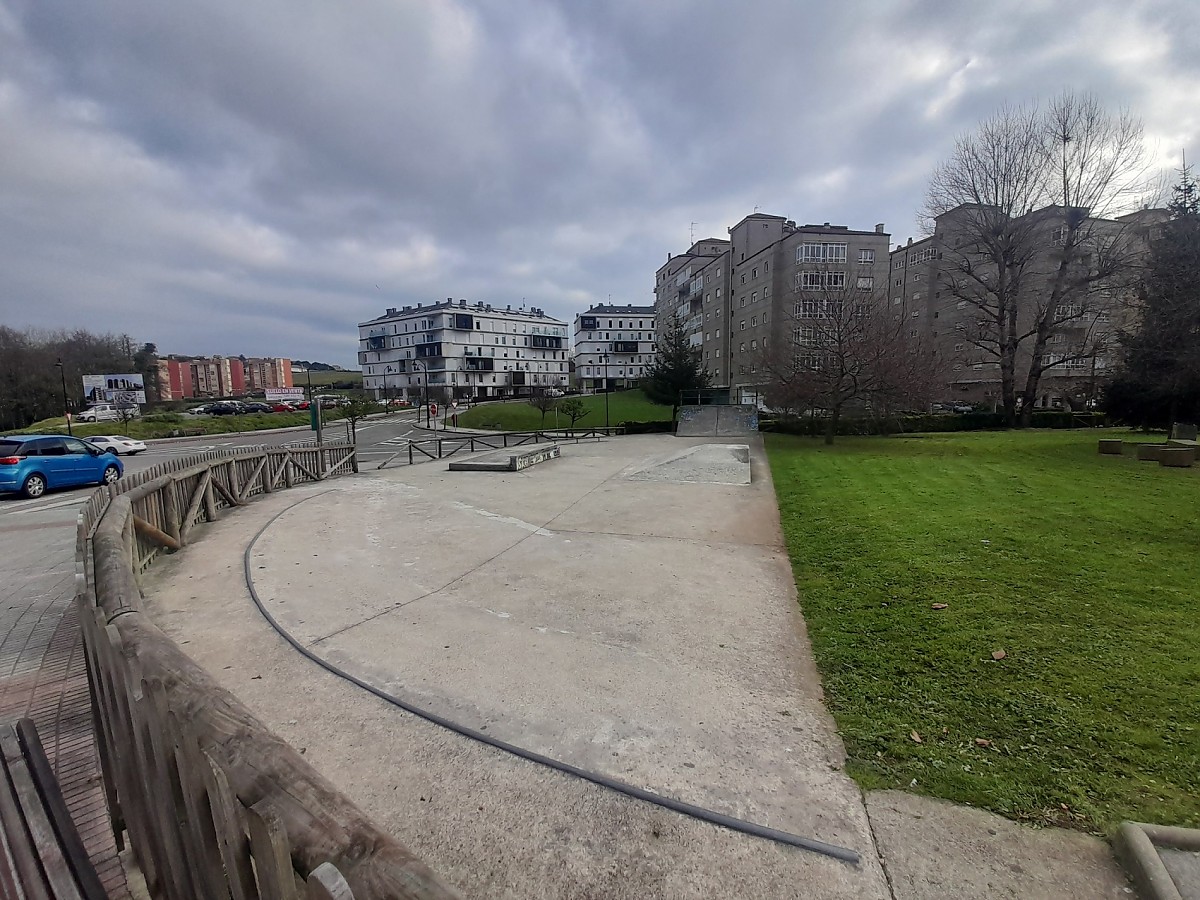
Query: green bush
(974, 421)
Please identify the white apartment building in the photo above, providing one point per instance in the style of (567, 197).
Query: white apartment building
(614, 346)
(452, 350)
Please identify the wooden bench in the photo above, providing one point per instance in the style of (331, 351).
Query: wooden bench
(41, 854)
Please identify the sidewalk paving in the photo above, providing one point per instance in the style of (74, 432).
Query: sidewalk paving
(43, 673)
(596, 610)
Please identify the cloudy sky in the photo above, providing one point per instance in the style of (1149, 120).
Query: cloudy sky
(232, 177)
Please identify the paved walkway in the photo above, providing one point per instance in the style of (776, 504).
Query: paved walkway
(603, 610)
(43, 673)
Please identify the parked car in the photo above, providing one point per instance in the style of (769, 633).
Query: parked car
(31, 464)
(280, 406)
(258, 407)
(200, 410)
(227, 408)
(107, 412)
(117, 444)
(554, 392)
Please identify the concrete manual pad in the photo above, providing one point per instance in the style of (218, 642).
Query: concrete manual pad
(705, 464)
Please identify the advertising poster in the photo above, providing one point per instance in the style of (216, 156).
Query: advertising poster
(121, 390)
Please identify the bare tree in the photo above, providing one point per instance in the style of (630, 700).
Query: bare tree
(1023, 215)
(543, 401)
(839, 351)
(574, 409)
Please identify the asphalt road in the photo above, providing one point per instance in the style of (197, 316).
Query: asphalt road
(377, 439)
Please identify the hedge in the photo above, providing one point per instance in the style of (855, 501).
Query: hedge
(975, 421)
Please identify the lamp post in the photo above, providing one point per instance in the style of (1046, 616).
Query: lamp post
(424, 391)
(62, 374)
(314, 408)
(606, 389)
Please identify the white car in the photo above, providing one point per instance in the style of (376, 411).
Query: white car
(118, 444)
(106, 412)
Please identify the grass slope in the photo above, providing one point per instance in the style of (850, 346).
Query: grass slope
(518, 415)
(1083, 569)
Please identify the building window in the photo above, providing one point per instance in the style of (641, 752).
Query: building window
(742, 347)
(743, 303)
(742, 325)
(824, 252)
(866, 257)
(916, 313)
(865, 282)
(754, 296)
(754, 345)
(820, 281)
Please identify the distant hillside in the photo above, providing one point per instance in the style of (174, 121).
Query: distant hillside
(316, 366)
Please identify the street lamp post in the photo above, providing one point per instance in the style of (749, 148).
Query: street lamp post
(424, 385)
(314, 408)
(62, 374)
(606, 390)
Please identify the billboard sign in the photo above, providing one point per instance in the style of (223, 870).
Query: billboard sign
(292, 393)
(121, 390)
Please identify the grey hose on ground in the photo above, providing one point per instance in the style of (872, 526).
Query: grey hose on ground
(629, 790)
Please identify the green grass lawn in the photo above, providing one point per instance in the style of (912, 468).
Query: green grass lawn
(1084, 570)
(160, 426)
(323, 378)
(518, 415)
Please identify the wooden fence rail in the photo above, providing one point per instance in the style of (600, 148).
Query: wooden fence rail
(213, 803)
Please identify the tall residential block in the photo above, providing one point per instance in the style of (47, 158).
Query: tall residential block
(614, 346)
(458, 350)
(932, 280)
(732, 295)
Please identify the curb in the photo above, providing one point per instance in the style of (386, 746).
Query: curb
(1136, 845)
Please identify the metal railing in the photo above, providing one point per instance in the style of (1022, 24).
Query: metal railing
(213, 803)
(443, 448)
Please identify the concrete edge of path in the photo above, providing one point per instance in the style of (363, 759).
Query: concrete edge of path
(1137, 847)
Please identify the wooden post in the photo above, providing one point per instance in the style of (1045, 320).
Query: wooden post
(210, 500)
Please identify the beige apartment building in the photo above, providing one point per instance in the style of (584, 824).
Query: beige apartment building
(614, 346)
(926, 286)
(733, 295)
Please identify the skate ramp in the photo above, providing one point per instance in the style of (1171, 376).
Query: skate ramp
(714, 421)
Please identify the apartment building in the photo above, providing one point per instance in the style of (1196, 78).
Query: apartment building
(186, 377)
(926, 285)
(614, 346)
(267, 372)
(733, 295)
(457, 350)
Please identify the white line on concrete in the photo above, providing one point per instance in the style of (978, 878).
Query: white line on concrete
(508, 520)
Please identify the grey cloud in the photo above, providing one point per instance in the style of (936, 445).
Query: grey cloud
(225, 177)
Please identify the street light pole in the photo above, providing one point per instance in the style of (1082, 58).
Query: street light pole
(62, 373)
(424, 384)
(606, 390)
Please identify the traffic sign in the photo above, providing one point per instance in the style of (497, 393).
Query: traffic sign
(433, 409)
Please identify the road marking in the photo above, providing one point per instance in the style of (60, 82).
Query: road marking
(41, 504)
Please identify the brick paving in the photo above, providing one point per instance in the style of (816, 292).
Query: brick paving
(43, 673)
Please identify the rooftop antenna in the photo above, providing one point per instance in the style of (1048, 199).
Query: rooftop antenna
(692, 233)
(757, 208)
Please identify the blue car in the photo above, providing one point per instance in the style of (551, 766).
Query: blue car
(32, 463)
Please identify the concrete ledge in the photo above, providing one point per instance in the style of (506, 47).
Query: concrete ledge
(1149, 451)
(1137, 846)
(1177, 457)
(1110, 447)
(507, 461)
